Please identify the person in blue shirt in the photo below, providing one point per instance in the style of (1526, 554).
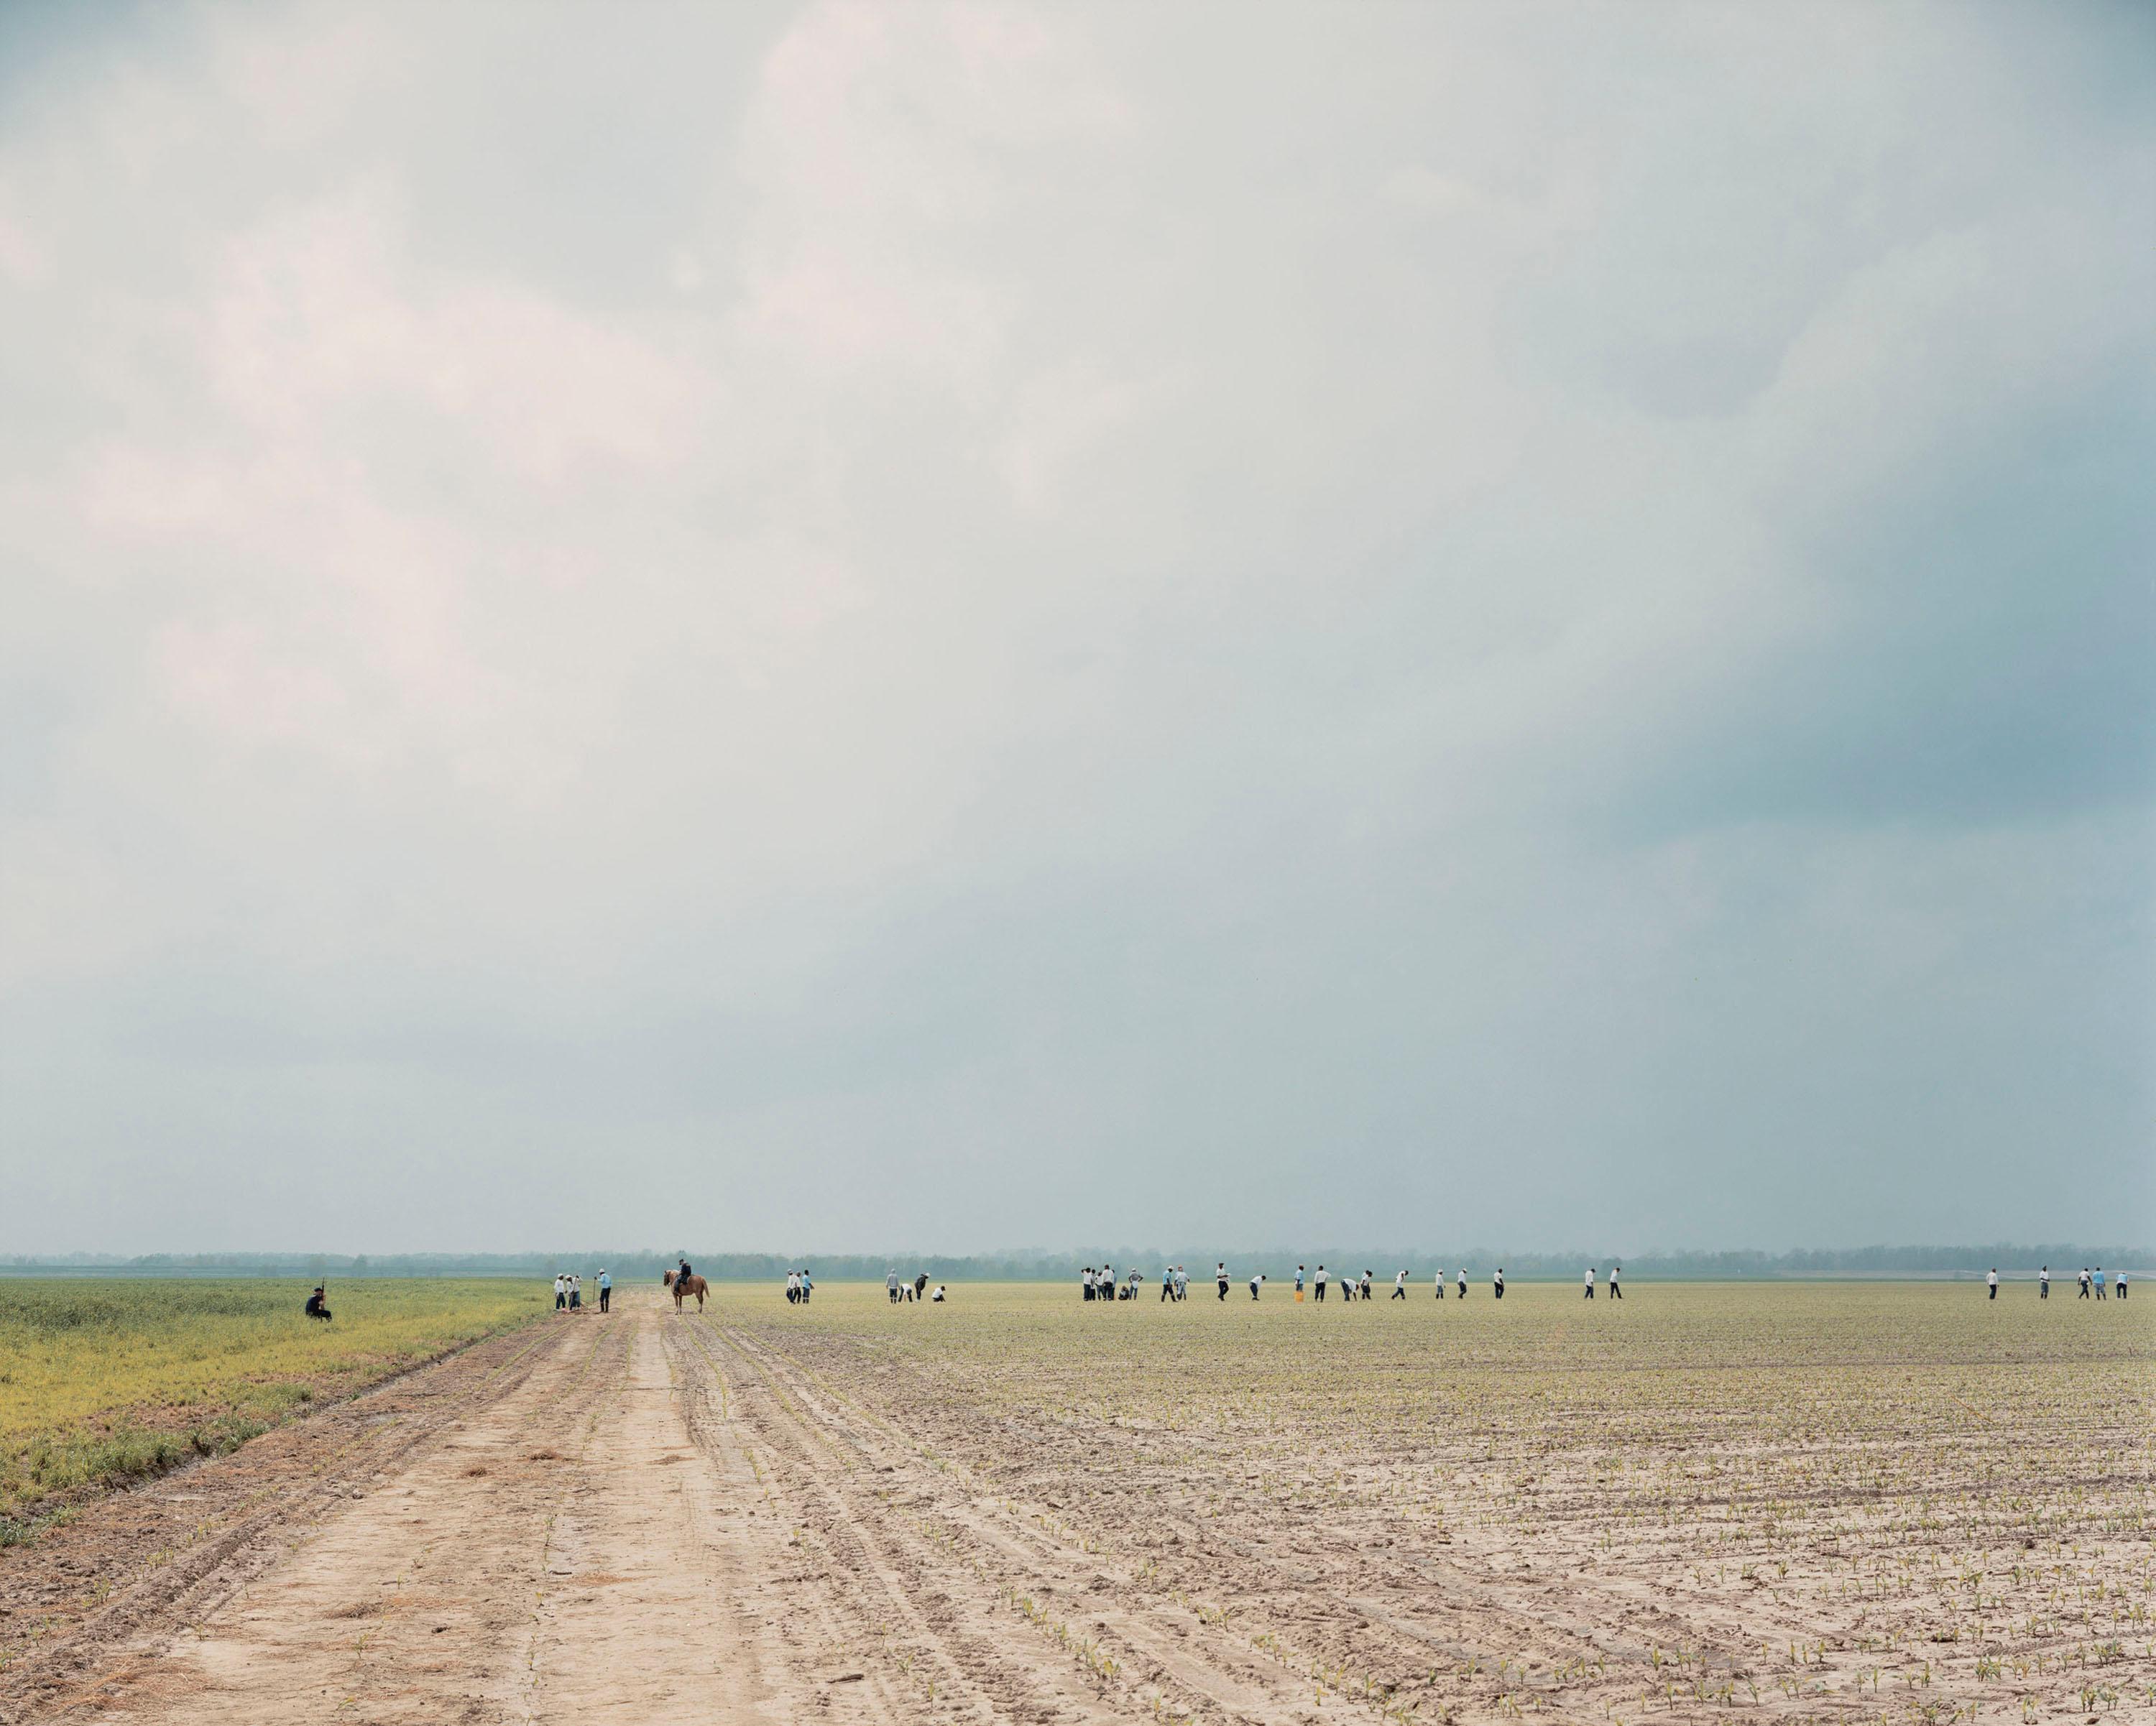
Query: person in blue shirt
(606, 1291)
(2099, 1282)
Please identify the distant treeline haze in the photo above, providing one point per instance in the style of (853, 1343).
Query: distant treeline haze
(2017, 1261)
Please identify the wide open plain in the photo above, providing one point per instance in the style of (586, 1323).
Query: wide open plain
(1710, 1502)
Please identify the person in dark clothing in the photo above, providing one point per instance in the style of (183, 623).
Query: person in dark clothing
(316, 1307)
(920, 1285)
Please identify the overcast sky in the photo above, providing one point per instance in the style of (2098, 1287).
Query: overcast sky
(968, 628)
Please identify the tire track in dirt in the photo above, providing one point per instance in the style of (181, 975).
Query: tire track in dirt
(804, 1625)
(568, 1552)
(1026, 1579)
(882, 1586)
(1305, 1634)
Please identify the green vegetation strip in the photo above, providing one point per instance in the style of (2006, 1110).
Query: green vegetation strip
(104, 1383)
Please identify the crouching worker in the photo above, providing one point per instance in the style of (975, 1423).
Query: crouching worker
(316, 1307)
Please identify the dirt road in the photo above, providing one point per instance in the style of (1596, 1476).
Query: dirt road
(649, 1519)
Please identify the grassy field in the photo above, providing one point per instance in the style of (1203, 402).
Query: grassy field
(1856, 1500)
(103, 1381)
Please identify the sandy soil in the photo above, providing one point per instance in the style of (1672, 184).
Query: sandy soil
(641, 1520)
(654, 1518)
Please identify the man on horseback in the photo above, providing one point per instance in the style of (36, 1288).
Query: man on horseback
(685, 1282)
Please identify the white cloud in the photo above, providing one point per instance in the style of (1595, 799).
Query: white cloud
(1262, 584)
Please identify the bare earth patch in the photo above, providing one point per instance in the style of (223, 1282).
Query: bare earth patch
(1682, 1512)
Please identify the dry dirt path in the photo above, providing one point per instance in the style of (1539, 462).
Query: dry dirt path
(565, 1551)
(652, 1519)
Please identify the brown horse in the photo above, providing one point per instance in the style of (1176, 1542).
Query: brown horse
(684, 1287)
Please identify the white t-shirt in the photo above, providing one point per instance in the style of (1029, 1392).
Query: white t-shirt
(1992, 1279)
(1321, 1276)
(1590, 1276)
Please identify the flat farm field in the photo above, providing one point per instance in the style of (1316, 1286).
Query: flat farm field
(104, 1381)
(1766, 1502)
(1707, 1502)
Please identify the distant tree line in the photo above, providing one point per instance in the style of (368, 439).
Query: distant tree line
(2011, 1259)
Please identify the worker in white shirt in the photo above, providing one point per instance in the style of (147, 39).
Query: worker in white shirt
(1256, 1282)
(1440, 1281)
(1220, 1277)
(1463, 1282)
(1498, 1283)
(1400, 1285)
(2044, 1283)
(1590, 1282)
(1317, 1282)
(1991, 1284)
(1615, 1292)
